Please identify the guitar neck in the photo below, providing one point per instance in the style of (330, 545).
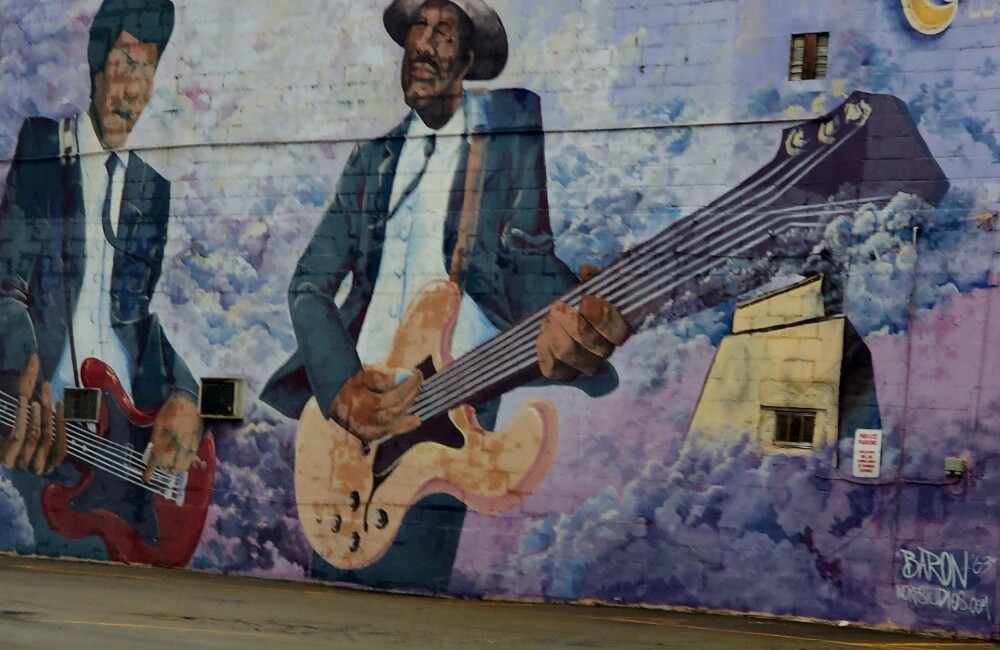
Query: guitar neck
(731, 246)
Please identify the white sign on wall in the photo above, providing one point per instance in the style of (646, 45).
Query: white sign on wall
(867, 453)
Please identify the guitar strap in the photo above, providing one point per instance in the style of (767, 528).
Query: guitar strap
(472, 197)
(69, 154)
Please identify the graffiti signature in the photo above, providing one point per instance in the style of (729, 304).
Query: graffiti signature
(947, 576)
(946, 568)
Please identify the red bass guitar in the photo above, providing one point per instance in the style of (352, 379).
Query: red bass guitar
(159, 522)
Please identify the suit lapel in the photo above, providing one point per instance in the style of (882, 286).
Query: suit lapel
(369, 224)
(386, 168)
(71, 231)
(135, 204)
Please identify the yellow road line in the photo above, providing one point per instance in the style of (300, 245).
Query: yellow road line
(898, 645)
(92, 574)
(912, 645)
(165, 628)
(100, 574)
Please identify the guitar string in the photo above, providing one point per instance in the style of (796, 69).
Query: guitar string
(716, 217)
(628, 304)
(433, 389)
(524, 359)
(84, 430)
(160, 477)
(81, 451)
(94, 456)
(471, 360)
(663, 242)
(808, 164)
(81, 430)
(521, 360)
(457, 371)
(656, 288)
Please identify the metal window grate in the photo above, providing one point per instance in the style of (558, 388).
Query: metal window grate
(794, 428)
(809, 56)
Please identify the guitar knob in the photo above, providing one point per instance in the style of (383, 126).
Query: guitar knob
(366, 448)
(335, 523)
(319, 519)
(354, 500)
(381, 519)
(355, 542)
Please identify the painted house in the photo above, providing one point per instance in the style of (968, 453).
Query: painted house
(315, 281)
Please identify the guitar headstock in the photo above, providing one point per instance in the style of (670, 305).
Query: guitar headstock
(869, 146)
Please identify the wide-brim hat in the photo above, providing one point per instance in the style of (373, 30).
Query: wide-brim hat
(489, 38)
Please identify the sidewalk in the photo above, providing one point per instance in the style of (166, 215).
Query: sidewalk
(50, 604)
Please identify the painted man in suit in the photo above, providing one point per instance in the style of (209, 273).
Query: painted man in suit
(395, 223)
(83, 225)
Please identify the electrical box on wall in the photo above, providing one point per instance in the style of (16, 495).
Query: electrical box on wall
(81, 404)
(221, 398)
(954, 466)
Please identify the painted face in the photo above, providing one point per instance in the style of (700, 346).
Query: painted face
(123, 88)
(433, 62)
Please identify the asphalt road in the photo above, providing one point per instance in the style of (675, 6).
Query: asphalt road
(51, 604)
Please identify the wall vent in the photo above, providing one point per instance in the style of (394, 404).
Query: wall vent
(221, 398)
(81, 404)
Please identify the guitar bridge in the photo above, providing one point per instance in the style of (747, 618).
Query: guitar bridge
(174, 490)
(175, 484)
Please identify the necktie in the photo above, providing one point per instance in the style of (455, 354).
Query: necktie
(429, 144)
(112, 165)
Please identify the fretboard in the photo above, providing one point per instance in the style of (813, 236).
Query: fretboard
(818, 174)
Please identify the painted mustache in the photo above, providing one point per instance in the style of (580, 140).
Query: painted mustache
(125, 114)
(424, 59)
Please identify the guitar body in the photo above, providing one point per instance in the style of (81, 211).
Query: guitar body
(135, 525)
(352, 498)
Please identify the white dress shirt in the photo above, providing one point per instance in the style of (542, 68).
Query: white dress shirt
(413, 253)
(92, 331)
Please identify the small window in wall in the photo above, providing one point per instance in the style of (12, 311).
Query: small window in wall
(809, 56)
(794, 428)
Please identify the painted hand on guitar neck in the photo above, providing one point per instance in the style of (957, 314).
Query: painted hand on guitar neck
(37, 439)
(372, 404)
(175, 438)
(572, 341)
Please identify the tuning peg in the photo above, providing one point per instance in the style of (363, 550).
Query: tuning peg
(858, 112)
(828, 131)
(795, 142)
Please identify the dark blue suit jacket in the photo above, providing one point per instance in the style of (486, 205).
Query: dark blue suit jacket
(42, 261)
(511, 272)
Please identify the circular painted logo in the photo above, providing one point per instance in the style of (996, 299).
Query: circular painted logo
(930, 16)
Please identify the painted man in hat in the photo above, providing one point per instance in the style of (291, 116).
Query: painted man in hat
(83, 225)
(459, 162)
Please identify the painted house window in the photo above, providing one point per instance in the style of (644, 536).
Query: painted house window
(809, 56)
(794, 428)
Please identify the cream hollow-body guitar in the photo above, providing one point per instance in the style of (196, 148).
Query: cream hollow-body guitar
(352, 497)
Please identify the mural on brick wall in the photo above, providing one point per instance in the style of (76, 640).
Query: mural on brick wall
(532, 301)
(82, 231)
